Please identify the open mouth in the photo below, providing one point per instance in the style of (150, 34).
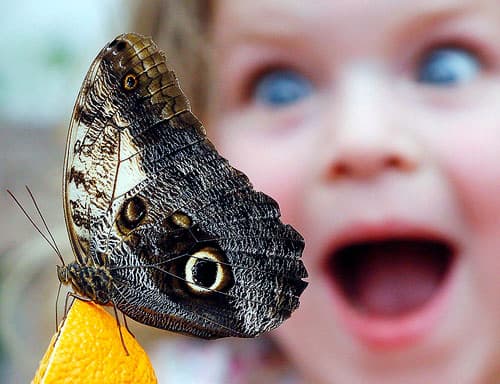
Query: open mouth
(393, 277)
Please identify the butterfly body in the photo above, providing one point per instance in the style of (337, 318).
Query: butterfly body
(94, 283)
(161, 225)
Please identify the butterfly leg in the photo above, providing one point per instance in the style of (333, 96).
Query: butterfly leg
(119, 328)
(57, 302)
(126, 325)
(68, 295)
(73, 296)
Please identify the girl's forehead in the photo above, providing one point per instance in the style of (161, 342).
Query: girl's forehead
(269, 17)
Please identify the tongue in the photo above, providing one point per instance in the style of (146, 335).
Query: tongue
(397, 277)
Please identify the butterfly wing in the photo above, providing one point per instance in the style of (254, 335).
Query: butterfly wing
(92, 159)
(191, 246)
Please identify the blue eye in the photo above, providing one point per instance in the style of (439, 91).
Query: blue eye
(448, 66)
(282, 87)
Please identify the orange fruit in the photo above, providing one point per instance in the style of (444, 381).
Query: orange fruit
(88, 349)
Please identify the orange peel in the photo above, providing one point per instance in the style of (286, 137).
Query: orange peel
(88, 349)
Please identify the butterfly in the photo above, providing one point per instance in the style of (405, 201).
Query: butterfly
(161, 226)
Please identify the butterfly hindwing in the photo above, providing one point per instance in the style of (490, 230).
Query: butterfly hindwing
(190, 246)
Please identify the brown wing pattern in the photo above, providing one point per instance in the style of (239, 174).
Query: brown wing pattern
(189, 244)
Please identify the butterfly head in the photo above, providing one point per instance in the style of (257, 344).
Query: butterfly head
(63, 274)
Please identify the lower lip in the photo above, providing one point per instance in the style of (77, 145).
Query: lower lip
(395, 331)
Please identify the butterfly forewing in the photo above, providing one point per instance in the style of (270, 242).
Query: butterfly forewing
(186, 242)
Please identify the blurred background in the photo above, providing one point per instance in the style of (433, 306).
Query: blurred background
(46, 48)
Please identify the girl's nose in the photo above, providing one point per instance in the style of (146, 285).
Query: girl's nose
(368, 162)
(368, 133)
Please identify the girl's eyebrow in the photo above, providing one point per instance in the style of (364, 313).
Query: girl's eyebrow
(459, 17)
(266, 32)
(426, 18)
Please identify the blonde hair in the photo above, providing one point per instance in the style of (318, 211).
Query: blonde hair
(182, 29)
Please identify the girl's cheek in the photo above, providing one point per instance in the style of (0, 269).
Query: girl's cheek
(469, 157)
(466, 149)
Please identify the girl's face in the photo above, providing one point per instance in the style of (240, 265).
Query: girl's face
(376, 126)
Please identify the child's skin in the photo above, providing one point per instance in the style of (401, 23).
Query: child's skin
(373, 144)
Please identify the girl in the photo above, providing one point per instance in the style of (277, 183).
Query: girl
(375, 125)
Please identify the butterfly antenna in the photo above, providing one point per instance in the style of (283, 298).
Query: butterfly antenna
(43, 220)
(52, 245)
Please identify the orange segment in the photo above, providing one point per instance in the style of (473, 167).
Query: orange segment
(87, 349)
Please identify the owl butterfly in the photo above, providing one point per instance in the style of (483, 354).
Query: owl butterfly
(162, 227)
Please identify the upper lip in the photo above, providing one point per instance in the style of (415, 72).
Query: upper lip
(382, 230)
